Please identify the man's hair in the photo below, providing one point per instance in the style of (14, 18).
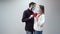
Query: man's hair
(32, 3)
(42, 8)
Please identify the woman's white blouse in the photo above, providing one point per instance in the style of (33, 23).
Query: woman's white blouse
(37, 24)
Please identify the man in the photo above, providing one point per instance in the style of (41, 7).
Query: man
(29, 19)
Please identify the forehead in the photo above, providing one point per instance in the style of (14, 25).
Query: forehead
(37, 6)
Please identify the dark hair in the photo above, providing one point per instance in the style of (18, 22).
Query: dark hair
(42, 8)
(32, 3)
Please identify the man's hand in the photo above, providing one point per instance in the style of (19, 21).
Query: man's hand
(31, 17)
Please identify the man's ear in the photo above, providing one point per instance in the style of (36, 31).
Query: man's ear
(31, 6)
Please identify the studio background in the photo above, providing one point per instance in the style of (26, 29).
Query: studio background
(11, 12)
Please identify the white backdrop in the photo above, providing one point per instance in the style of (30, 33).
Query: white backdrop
(11, 15)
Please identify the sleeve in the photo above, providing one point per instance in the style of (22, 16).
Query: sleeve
(24, 18)
(41, 20)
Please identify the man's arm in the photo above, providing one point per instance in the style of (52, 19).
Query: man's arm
(24, 18)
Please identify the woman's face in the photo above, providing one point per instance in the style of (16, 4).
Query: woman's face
(40, 11)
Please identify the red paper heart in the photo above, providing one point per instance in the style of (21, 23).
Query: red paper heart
(34, 14)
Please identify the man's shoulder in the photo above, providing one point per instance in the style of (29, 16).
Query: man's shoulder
(26, 10)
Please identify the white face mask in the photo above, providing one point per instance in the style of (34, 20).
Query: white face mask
(35, 9)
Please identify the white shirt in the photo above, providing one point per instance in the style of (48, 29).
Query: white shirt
(37, 24)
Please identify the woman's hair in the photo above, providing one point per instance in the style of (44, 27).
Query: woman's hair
(42, 8)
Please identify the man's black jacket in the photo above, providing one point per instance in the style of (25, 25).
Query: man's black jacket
(29, 22)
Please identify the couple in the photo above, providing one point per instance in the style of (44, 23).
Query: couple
(34, 21)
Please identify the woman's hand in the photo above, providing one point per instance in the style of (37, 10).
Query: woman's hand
(42, 25)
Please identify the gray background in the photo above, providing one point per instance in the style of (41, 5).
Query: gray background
(11, 13)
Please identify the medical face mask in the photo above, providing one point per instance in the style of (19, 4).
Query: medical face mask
(35, 9)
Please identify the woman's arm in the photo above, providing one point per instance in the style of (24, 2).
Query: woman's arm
(41, 20)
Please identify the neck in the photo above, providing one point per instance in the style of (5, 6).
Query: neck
(40, 14)
(30, 8)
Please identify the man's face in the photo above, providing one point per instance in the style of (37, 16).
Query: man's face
(33, 6)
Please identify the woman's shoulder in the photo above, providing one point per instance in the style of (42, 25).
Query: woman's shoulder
(43, 15)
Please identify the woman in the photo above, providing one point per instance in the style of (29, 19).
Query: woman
(39, 20)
